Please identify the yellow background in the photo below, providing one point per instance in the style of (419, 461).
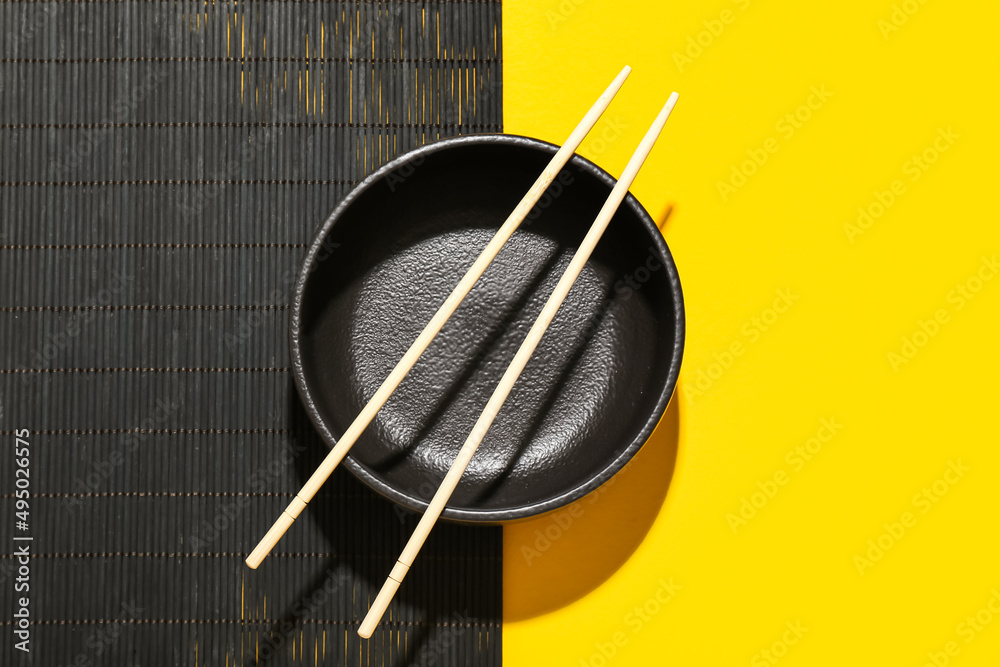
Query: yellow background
(825, 357)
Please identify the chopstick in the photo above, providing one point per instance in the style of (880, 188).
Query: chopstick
(446, 310)
(512, 373)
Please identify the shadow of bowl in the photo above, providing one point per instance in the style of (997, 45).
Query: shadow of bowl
(553, 560)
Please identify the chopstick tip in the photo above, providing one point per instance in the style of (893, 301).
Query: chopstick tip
(620, 79)
(671, 102)
(254, 560)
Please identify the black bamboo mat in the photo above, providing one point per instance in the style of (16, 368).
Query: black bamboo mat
(162, 165)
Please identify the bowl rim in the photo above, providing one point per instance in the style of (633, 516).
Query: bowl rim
(485, 515)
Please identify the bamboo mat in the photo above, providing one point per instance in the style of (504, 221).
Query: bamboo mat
(162, 166)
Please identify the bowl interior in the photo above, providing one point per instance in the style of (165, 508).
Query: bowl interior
(393, 251)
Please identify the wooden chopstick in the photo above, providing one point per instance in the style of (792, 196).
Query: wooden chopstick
(404, 365)
(512, 373)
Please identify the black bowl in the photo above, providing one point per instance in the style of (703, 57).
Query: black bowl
(389, 255)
